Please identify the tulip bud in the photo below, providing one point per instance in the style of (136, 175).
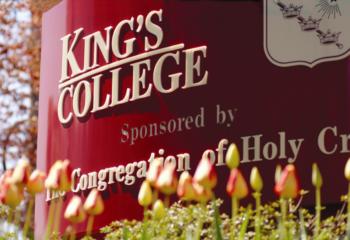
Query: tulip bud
(11, 195)
(94, 203)
(185, 189)
(158, 210)
(232, 156)
(347, 170)
(21, 172)
(316, 176)
(205, 174)
(59, 177)
(154, 170)
(167, 180)
(203, 194)
(53, 178)
(236, 185)
(65, 177)
(36, 182)
(278, 173)
(255, 180)
(288, 185)
(145, 194)
(6, 177)
(74, 211)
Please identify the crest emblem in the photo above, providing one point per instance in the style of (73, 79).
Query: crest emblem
(306, 32)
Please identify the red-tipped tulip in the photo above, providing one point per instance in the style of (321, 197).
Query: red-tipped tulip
(74, 211)
(167, 180)
(11, 195)
(185, 188)
(59, 177)
(154, 170)
(21, 172)
(36, 182)
(288, 184)
(6, 177)
(94, 203)
(205, 174)
(237, 185)
(203, 194)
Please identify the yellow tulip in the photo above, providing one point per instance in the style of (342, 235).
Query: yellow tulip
(256, 181)
(232, 156)
(145, 194)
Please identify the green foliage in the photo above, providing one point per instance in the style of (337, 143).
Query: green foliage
(193, 222)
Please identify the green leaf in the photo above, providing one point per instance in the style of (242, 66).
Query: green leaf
(245, 222)
(217, 222)
(126, 233)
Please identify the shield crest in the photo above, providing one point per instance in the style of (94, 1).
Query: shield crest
(306, 32)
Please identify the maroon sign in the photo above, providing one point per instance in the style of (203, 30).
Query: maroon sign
(124, 82)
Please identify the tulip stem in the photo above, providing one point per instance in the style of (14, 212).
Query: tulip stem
(89, 225)
(28, 216)
(257, 196)
(348, 215)
(58, 210)
(50, 219)
(284, 207)
(155, 195)
(167, 201)
(318, 211)
(145, 213)
(17, 219)
(234, 209)
(72, 233)
(10, 215)
(284, 210)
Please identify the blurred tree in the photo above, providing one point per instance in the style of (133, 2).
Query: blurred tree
(20, 26)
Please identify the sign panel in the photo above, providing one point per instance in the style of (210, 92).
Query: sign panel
(123, 82)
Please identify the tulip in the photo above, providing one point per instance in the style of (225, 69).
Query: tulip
(185, 188)
(145, 194)
(21, 172)
(94, 203)
(58, 179)
(237, 188)
(232, 156)
(288, 184)
(6, 177)
(347, 170)
(205, 174)
(35, 184)
(11, 195)
(347, 176)
(317, 182)
(256, 183)
(255, 180)
(154, 171)
(158, 210)
(202, 194)
(75, 213)
(287, 188)
(167, 182)
(93, 206)
(278, 173)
